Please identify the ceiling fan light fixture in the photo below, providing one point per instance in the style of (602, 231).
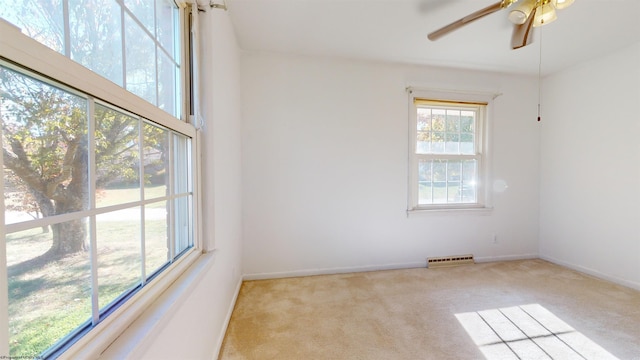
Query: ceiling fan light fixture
(562, 4)
(545, 14)
(521, 12)
(517, 17)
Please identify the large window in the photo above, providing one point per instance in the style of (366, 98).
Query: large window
(447, 154)
(99, 197)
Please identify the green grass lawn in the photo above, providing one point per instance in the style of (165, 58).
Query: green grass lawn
(49, 301)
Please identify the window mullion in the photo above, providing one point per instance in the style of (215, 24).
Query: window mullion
(157, 75)
(143, 247)
(124, 45)
(446, 181)
(4, 279)
(67, 29)
(171, 240)
(461, 180)
(431, 179)
(93, 242)
(156, 53)
(449, 157)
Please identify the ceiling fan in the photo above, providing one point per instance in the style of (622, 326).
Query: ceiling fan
(524, 14)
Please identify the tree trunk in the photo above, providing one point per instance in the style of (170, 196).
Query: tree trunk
(68, 238)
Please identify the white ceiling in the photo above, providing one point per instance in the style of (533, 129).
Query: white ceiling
(396, 31)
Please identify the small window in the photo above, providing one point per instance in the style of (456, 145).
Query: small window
(447, 154)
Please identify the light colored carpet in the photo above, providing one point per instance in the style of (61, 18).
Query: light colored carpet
(411, 313)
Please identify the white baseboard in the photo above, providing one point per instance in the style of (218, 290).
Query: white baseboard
(227, 319)
(592, 272)
(393, 266)
(329, 271)
(484, 259)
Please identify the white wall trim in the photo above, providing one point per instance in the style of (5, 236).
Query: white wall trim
(331, 271)
(484, 259)
(365, 268)
(227, 320)
(592, 272)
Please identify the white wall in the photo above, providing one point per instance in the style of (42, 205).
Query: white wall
(590, 173)
(189, 320)
(325, 168)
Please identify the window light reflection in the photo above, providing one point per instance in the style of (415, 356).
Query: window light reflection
(527, 332)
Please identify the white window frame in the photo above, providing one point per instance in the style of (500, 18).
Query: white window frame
(482, 151)
(30, 54)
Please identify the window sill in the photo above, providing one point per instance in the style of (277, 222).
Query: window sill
(479, 210)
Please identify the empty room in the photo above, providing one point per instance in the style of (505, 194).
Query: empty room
(320, 179)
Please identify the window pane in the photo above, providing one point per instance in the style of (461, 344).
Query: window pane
(49, 294)
(424, 119)
(117, 157)
(453, 121)
(143, 11)
(119, 254)
(452, 143)
(424, 142)
(424, 170)
(166, 26)
(96, 36)
(438, 126)
(437, 142)
(42, 20)
(141, 65)
(467, 132)
(469, 181)
(467, 119)
(447, 181)
(425, 193)
(438, 117)
(182, 159)
(467, 145)
(454, 169)
(167, 84)
(439, 170)
(182, 184)
(156, 236)
(439, 181)
(183, 221)
(425, 187)
(156, 166)
(44, 132)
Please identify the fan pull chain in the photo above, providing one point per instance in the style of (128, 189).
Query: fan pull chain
(540, 75)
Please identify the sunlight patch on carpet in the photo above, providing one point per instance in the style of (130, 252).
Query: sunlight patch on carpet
(528, 332)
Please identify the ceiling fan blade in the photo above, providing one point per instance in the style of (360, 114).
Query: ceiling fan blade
(466, 20)
(523, 34)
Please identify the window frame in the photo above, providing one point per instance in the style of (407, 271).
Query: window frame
(24, 52)
(481, 144)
